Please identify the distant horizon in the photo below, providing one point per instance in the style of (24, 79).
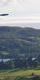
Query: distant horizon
(27, 25)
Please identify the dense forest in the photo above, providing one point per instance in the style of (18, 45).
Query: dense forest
(21, 45)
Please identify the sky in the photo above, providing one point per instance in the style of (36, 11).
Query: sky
(20, 12)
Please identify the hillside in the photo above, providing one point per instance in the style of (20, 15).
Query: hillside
(19, 42)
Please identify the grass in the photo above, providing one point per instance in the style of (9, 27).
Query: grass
(14, 75)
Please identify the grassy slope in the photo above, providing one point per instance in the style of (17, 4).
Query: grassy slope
(21, 73)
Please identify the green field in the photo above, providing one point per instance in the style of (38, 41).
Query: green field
(14, 75)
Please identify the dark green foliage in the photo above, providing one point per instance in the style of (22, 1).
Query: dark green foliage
(19, 44)
(16, 42)
(23, 78)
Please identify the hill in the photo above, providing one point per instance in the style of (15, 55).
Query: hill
(20, 47)
(16, 41)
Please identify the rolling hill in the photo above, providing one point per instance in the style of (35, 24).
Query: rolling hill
(19, 42)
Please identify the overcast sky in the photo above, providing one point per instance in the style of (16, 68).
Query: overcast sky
(20, 11)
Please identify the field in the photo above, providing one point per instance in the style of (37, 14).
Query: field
(17, 75)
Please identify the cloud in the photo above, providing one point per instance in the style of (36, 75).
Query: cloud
(28, 8)
(20, 12)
